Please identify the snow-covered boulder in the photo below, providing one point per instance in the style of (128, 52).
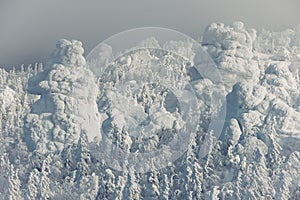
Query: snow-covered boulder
(231, 47)
(68, 93)
(68, 53)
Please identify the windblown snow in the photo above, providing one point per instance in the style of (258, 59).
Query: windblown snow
(55, 116)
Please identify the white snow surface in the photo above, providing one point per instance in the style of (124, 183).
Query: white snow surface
(67, 104)
(52, 118)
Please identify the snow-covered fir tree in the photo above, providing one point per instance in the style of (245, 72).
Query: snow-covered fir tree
(48, 149)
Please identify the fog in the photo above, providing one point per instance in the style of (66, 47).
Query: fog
(29, 29)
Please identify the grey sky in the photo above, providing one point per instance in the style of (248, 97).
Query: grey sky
(29, 29)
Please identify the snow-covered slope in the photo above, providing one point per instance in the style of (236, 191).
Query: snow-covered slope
(51, 117)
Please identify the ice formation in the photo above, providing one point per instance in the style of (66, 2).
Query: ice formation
(67, 105)
(231, 47)
(46, 113)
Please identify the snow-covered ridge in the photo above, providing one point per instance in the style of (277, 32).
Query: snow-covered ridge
(45, 152)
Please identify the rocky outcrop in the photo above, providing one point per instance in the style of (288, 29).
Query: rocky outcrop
(67, 105)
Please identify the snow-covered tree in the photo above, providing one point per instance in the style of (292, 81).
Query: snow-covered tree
(132, 188)
(14, 191)
(151, 187)
(49, 117)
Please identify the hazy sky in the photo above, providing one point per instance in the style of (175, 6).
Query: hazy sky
(29, 29)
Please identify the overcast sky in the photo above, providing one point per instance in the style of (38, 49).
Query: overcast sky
(29, 29)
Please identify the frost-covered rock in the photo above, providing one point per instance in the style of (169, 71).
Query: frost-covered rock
(68, 53)
(231, 47)
(280, 81)
(285, 120)
(67, 101)
(46, 113)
